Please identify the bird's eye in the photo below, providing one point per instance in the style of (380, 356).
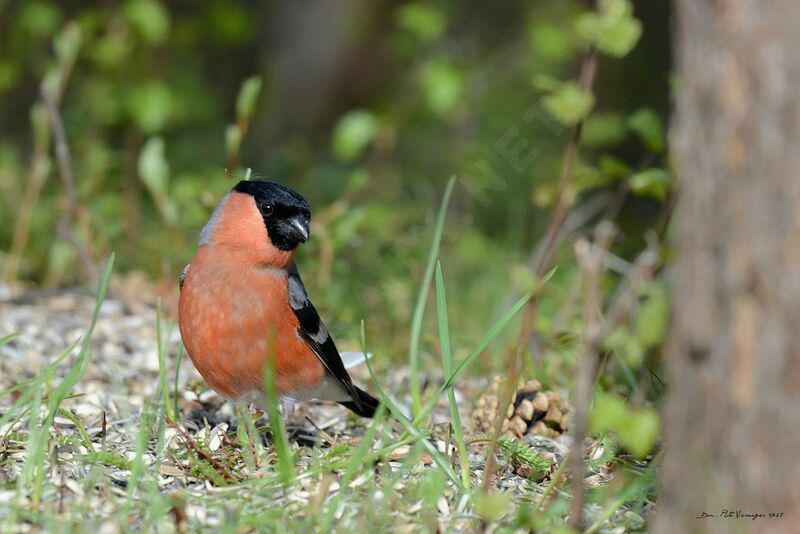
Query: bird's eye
(267, 209)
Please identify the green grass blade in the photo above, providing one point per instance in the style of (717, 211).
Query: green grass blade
(34, 385)
(69, 414)
(137, 465)
(487, 339)
(29, 467)
(162, 366)
(247, 436)
(9, 337)
(156, 502)
(422, 298)
(447, 367)
(409, 427)
(357, 462)
(280, 439)
(176, 393)
(33, 470)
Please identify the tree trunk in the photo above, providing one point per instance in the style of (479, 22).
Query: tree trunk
(733, 414)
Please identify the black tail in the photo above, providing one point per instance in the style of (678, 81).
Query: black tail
(365, 406)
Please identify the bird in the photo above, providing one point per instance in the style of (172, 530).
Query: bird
(243, 306)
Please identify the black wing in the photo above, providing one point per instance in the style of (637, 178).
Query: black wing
(182, 277)
(314, 332)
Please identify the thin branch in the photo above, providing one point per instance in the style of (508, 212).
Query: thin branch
(551, 240)
(553, 233)
(66, 226)
(590, 258)
(203, 455)
(626, 295)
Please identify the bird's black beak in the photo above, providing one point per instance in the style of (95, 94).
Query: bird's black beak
(296, 229)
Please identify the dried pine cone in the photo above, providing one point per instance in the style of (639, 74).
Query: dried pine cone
(532, 411)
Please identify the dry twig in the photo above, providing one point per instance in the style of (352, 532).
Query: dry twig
(203, 455)
(550, 242)
(66, 226)
(590, 257)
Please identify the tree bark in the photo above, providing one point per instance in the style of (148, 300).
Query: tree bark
(732, 418)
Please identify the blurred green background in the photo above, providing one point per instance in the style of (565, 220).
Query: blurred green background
(366, 108)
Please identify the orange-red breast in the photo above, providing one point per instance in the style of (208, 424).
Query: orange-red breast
(242, 297)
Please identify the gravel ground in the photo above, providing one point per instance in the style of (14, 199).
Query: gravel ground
(123, 378)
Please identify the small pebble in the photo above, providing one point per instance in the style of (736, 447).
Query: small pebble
(541, 403)
(526, 409)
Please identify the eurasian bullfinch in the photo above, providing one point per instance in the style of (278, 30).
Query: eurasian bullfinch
(243, 304)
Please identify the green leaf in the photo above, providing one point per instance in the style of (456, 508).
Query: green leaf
(248, 96)
(38, 18)
(569, 104)
(651, 182)
(613, 29)
(9, 74)
(647, 125)
(627, 348)
(153, 167)
(148, 18)
(546, 83)
(67, 43)
(586, 178)
(544, 196)
(609, 413)
(637, 429)
(354, 132)
(52, 82)
(551, 42)
(423, 20)
(617, 338)
(651, 321)
(111, 50)
(491, 506)
(603, 130)
(233, 140)
(150, 106)
(613, 167)
(632, 353)
(443, 84)
(642, 432)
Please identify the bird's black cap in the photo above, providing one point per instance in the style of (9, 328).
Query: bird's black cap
(270, 192)
(286, 213)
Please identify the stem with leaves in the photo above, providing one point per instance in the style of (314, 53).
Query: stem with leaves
(553, 236)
